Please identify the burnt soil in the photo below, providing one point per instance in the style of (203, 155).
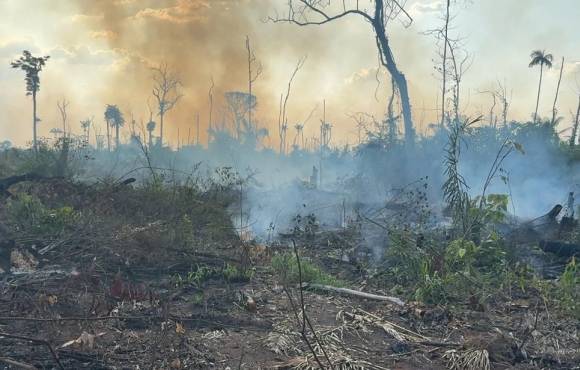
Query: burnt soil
(113, 292)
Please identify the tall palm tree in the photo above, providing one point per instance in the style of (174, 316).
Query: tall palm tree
(539, 57)
(32, 67)
(114, 117)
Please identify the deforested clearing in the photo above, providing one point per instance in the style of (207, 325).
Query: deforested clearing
(302, 184)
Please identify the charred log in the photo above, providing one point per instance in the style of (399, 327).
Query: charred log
(7, 182)
(128, 181)
(6, 246)
(559, 248)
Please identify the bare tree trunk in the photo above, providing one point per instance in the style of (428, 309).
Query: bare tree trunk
(444, 74)
(117, 142)
(505, 104)
(539, 89)
(108, 136)
(166, 92)
(249, 81)
(554, 111)
(391, 128)
(210, 96)
(62, 107)
(491, 124)
(161, 130)
(34, 122)
(197, 130)
(575, 127)
(150, 140)
(378, 21)
(389, 63)
(280, 123)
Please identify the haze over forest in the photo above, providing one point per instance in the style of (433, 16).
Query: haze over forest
(289, 184)
(102, 51)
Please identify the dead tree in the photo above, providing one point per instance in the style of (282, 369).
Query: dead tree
(499, 96)
(166, 91)
(493, 94)
(252, 76)
(62, 107)
(460, 64)
(210, 98)
(444, 62)
(554, 110)
(391, 121)
(238, 104)
(319, 12)
(360, 120)
(282, 126)
(283, 117)
(196, 129)
(502, 94)
(575, 126)
(455, 61)
(299, 127)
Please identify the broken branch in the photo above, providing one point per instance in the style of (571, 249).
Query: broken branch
(355, 293)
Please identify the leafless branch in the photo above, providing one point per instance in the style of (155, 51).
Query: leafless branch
(283, 119)
(36, 341)
(166, 88)
(62, 107)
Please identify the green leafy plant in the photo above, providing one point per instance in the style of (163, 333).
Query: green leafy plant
(430, 288)
(492, 255)
(28, 214)
(460, 256)
(196, 277)
(233, 274)
(286, 267)
(490, 209)
(569, 287)
(455, 187)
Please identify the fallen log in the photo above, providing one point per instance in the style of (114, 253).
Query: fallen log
(559, 248)
(6, 246)
(16, 364)
(35, 341)
(355, 293)
(7, 182)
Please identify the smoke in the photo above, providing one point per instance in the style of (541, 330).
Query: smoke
(203, 40)
(103, 51)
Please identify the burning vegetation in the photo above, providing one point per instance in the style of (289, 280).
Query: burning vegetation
(455, 249)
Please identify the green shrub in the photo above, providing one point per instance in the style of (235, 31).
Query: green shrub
(28, 214)
(406, 259)
(490, 209)
(492, 255)
(286, 267)
(234, 274)
(440, 272)
(460, 256)
(63, 158)
(569, 287)
(195, 277)
(430, 288)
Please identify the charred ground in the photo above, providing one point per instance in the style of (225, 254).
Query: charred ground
(154, 274)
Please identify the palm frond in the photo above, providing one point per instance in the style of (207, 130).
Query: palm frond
(539, 57)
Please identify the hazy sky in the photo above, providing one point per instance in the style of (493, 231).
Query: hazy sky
(102, 50)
